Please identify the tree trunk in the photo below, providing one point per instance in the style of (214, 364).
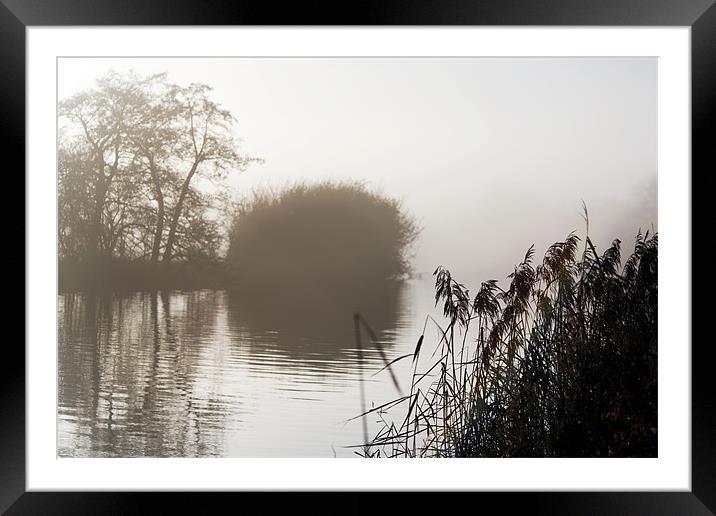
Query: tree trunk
(177, 213)
(96, 224)
(159, 230)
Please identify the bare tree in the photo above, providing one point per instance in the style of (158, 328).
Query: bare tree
(156, 139)
(98, 120)
(131, 149)
(207, 146)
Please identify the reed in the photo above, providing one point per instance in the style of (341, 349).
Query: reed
(562, 362)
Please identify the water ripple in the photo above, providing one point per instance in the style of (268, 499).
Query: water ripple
(197, 374)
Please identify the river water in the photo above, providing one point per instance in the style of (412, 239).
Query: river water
(210, 373)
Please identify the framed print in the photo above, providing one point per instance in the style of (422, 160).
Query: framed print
(415, 253)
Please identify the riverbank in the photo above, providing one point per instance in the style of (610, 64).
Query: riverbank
(126, 275)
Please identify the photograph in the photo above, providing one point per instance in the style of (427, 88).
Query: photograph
(357, 257)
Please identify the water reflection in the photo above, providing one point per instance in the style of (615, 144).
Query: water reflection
(318, 326)
(133, 377)
(211, 373)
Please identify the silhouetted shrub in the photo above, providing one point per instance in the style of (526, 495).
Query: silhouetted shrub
(319, 238)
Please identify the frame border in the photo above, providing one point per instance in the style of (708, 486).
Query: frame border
(700, 15)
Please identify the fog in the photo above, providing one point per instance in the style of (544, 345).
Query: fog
(489, 155)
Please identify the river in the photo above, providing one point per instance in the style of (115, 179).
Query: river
(208, 373)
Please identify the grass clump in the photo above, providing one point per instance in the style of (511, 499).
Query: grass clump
(311, 236)
(560, 363)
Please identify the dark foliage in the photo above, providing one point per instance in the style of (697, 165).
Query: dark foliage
(328, 237)
(562, 363)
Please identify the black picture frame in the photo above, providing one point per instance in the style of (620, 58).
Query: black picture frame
(700, 15)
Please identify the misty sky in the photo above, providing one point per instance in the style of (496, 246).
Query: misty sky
(490, 155)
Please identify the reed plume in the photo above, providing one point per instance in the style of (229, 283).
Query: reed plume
(560, 363)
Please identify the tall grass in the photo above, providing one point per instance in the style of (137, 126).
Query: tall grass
(560, 363)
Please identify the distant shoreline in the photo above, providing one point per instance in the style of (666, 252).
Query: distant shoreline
(116, 275)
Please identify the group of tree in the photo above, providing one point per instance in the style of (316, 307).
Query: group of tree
(142, 164)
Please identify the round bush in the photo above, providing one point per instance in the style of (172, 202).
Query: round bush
(320, 237)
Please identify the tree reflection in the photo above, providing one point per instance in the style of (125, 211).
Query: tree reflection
(129, 371)
(317, 323)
